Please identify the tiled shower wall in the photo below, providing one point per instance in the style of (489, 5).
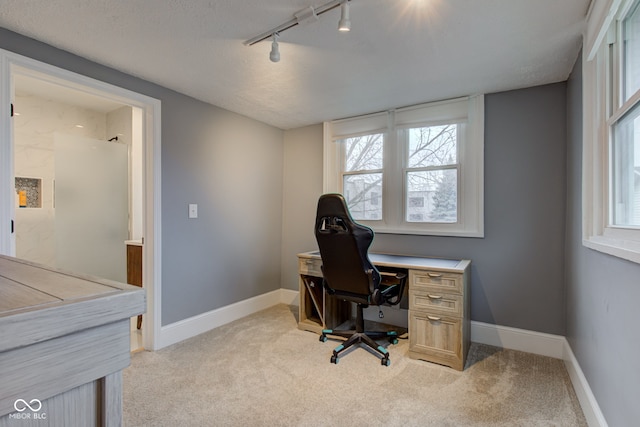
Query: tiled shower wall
(35, 123)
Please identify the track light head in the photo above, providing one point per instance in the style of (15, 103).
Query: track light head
(303, 17)
(274, 55)
(345, 23)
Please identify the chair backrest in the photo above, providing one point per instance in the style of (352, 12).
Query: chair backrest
(344, 246)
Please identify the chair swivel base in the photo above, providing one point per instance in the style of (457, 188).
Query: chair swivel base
(367, 338)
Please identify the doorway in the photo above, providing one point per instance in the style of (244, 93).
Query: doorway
(82, 145)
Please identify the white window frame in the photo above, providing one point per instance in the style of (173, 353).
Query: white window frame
(467, 110)
(601, 109)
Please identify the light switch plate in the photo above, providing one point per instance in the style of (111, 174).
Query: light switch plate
(193, 210)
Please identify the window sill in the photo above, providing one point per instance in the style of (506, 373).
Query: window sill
(626, 249)
(423, 232)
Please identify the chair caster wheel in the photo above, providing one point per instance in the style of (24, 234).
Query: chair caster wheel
(334, 359)
(323, 338)
(393, 341)
(385, 361)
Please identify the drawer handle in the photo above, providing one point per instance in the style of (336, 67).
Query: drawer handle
(434, 296)
(434, 319)
(434, 275)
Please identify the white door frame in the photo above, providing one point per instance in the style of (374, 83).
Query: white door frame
(12, 63)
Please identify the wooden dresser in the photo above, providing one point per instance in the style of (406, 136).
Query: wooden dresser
(439, 309)
(64, 341)
(134, 267)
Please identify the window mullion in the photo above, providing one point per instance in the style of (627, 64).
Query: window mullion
(362, 171)
(623, 109)
(431, 168)
(392, 164)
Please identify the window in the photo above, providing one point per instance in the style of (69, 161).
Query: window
(611, 160)
(362, 176)
(414, 170)
(625, 171)
(432, 173)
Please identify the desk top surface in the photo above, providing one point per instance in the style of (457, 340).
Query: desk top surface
(405, 261)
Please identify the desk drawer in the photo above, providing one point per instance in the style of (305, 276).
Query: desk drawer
(310, 266)
(423, 280)
(436, 339)
(436, 303)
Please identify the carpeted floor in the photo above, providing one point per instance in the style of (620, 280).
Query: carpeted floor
(262, 371)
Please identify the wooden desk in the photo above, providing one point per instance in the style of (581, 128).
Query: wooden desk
(64, 341)
(439, 309)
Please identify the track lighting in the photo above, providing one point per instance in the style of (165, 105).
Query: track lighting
(345, 23)
(274, 56)
(303, 17)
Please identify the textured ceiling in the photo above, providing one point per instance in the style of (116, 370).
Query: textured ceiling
(398, 53)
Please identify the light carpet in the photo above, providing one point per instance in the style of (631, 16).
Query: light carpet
(263, 371)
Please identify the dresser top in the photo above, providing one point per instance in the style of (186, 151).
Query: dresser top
(38, 302)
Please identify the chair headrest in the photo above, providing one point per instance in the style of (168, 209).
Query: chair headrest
(333, 205)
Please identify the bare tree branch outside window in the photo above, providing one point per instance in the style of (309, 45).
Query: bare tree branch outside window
(362, 184)
(432, 157)
(432, 174)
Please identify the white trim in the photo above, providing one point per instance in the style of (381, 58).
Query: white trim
(543, 344)
(14, 63)
(196, 325)
(587, 400)
(471, 163)
(596, 231)
(289, 297)
(600, 16)
(152, 212)
(7, 239)
(625, 249)
(555, 346)
(518, 339)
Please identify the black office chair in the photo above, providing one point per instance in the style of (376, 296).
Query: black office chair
(350, 275)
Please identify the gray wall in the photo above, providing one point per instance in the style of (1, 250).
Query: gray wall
(302, 186)
(518, 275)
(517, 269)
(230, 166)
(603, 293)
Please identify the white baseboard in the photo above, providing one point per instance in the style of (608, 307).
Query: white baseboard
(289, 297)
(590, 407)
(543, 344)
(196, 325)
(518, 339)
(555, 346)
